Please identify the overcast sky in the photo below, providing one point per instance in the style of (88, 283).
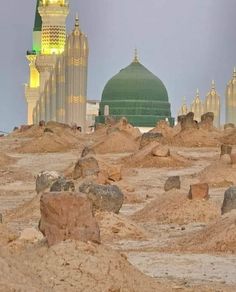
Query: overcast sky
(186, 43)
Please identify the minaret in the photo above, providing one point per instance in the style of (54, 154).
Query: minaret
(32, 88)
(212, 104)
(197, 107)
(76, 60)
(53, 14)
(231, 100)
(184, 108)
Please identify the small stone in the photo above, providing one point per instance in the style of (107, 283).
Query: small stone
(87, 151)
(199, 191)
(45, 179)
(161, 151)
(1, 219)
(87, 166)
(48, 130)
(229, 202)
(67, 215)
(172, 182)
(104, 197)
(61, 184)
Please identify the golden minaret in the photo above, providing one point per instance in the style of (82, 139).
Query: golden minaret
(197, 107)
(231, 100)
(184, 108)
(212, 104)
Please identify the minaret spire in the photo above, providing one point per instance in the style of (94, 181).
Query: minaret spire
(136, 58)
(234, 74)
(213, 85)
(38, 19)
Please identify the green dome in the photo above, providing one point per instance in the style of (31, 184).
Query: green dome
(138, 95)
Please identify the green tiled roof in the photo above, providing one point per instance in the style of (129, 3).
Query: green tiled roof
(38, 19)
(138, 95)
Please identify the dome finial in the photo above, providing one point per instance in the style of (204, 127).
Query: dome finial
(77, 19)
(213, 84)
(234, 75)
(136, 58)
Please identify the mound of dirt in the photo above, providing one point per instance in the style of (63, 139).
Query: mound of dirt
(195, 138)
(175, 207)
(77, 266)
(118, 227)
(217, 237)
(6, 235)
(163, 128)
(116, 142)
(144, 158)
(6, 160)
(26, 213)
(218, 173)
(47, 143)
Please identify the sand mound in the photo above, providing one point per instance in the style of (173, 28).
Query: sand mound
(47, 143)
(218, 174)
(5, 160)
(14, 278)
(114, 226)
(163, 128)
(6, 235)
(143, 158)
(195, 138)
(217, 237)
(116, 142)
(28, 212)
(76, 266)
(175, 207)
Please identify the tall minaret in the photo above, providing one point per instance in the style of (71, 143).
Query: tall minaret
(184, 108)
(76, 60)
(53, 14)
(32, 88)
(231, 100)
(197, 107)
(212, 104)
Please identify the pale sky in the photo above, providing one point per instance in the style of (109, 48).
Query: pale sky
(186, 43)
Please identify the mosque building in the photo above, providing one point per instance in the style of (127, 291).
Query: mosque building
(57, 87)
(137, 94)
(199, 107)
(212, 104)
(231, 100)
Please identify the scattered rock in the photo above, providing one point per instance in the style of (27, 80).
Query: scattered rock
(229, 202)
(1, 219)
(199, 191)
(207, 121)
(104, 197)
(87, 151)
(86, 167)
(30, 235)
(67, 216)
(61, 184)
(150, 137)
(229, 126)
(114, 173)
(226, 149)
(187, 122)
(45, 179)
(161, 151)
(42, 123)
(48, 130)
(172, 182)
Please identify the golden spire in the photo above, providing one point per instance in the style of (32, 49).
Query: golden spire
(136, 58)
(76, 19)
(234, 74)
(213, 84)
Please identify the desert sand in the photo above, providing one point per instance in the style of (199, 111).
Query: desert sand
(160, 241)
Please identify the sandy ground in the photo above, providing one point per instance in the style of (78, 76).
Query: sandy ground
(149, 251)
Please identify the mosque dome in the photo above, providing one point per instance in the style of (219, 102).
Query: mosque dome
(138, 95)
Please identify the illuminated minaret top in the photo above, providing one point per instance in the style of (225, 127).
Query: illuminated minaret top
(231, 100)
(53, 14)
(212, 104)
(197, 107)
